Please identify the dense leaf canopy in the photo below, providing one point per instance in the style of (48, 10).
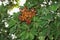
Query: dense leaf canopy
(45, 25)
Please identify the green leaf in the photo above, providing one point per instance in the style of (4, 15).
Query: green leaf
(54, 7)
(12, 22)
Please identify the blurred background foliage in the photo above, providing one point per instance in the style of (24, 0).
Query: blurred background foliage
(44, 26)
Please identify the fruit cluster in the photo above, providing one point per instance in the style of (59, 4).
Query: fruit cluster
(27, 14)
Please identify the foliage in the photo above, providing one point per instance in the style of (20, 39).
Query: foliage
(44, 26)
